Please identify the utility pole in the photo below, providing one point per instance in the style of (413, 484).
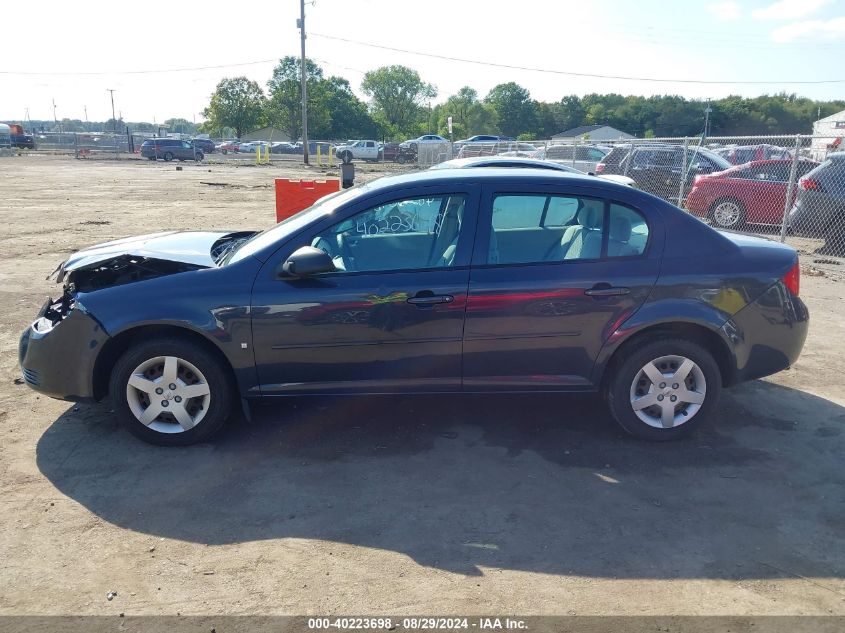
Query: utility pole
(301, 24)
(55, 119)
(114, 121)
(707, 111)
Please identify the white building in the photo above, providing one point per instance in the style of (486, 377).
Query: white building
(828, 134)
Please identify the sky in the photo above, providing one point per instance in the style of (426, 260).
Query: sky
(82, 48)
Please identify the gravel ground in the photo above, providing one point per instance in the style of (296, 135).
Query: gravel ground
(500, 504)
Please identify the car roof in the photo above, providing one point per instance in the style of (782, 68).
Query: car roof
(482, 175)
(512, 161)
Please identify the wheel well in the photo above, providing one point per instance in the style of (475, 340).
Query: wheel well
(705, 337)
(116, 346)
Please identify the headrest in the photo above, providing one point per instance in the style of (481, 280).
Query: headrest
(590, 215)
(620, 229)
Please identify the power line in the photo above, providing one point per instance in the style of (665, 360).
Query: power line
(569, 72)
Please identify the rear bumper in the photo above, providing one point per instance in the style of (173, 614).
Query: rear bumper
(60, 362)
(768, 334)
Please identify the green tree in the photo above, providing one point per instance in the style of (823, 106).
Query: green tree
(181, 126)
(284, 106)
(398, 94)
(347, 114)
(237, 102)
(515, 111)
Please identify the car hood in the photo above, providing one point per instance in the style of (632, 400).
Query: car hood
(185, 247)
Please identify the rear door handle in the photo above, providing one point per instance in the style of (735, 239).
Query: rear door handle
(606, 290)
(430, 299)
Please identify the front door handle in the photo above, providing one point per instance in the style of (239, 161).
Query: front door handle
(428, 299)
(606, 290)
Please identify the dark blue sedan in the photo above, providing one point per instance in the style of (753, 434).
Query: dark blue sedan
(473, 280)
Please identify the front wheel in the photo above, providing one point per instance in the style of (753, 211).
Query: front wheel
(663, 389)
(199, 156)
(400, 160)
(171, 392)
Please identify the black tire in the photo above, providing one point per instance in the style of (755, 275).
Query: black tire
(224, 151)
(218, 380)
(199, 156)
(400, 159)
(151, 157)
(346, 157)
(168, 156)
(740, 210)
(624, 370)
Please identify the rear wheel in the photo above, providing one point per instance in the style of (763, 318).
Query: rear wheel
(728, 214)
(171, 392)
(199, 156)
(663, 389)
(400, 159)
(168, 156)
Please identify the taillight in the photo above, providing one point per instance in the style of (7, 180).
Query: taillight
(792, 279)
(809, 184)
(600, 167)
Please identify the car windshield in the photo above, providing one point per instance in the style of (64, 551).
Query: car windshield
(323, 207)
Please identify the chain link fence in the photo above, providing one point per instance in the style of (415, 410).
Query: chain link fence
(787, 188)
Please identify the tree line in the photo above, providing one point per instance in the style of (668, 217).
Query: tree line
(401, 107)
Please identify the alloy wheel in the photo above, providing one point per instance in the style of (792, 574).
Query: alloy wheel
(168, 394)
(668, 391)
(727, 214)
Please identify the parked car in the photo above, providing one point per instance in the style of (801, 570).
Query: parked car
(485, 138)
(388, 151)
(429, 138)
(170, 148)
(363, 150)
(741, 154)
(458, 280)
(753, 193)
(819, 207)
(583, 157)
(284, 148)
(206, 145)
(407, 153)
(482, 138)
(525, 163)
(660, 168)
(251, 147)
(228, 146)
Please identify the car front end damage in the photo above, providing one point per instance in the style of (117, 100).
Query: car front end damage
(59, 350)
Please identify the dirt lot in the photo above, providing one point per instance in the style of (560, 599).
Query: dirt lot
(531, 505)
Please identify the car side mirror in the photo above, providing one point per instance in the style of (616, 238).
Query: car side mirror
(307, 261)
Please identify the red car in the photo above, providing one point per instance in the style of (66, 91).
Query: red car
(229, 146)
(753, 193)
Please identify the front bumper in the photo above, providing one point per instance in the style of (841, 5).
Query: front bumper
(60, 362)
(768, 334)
